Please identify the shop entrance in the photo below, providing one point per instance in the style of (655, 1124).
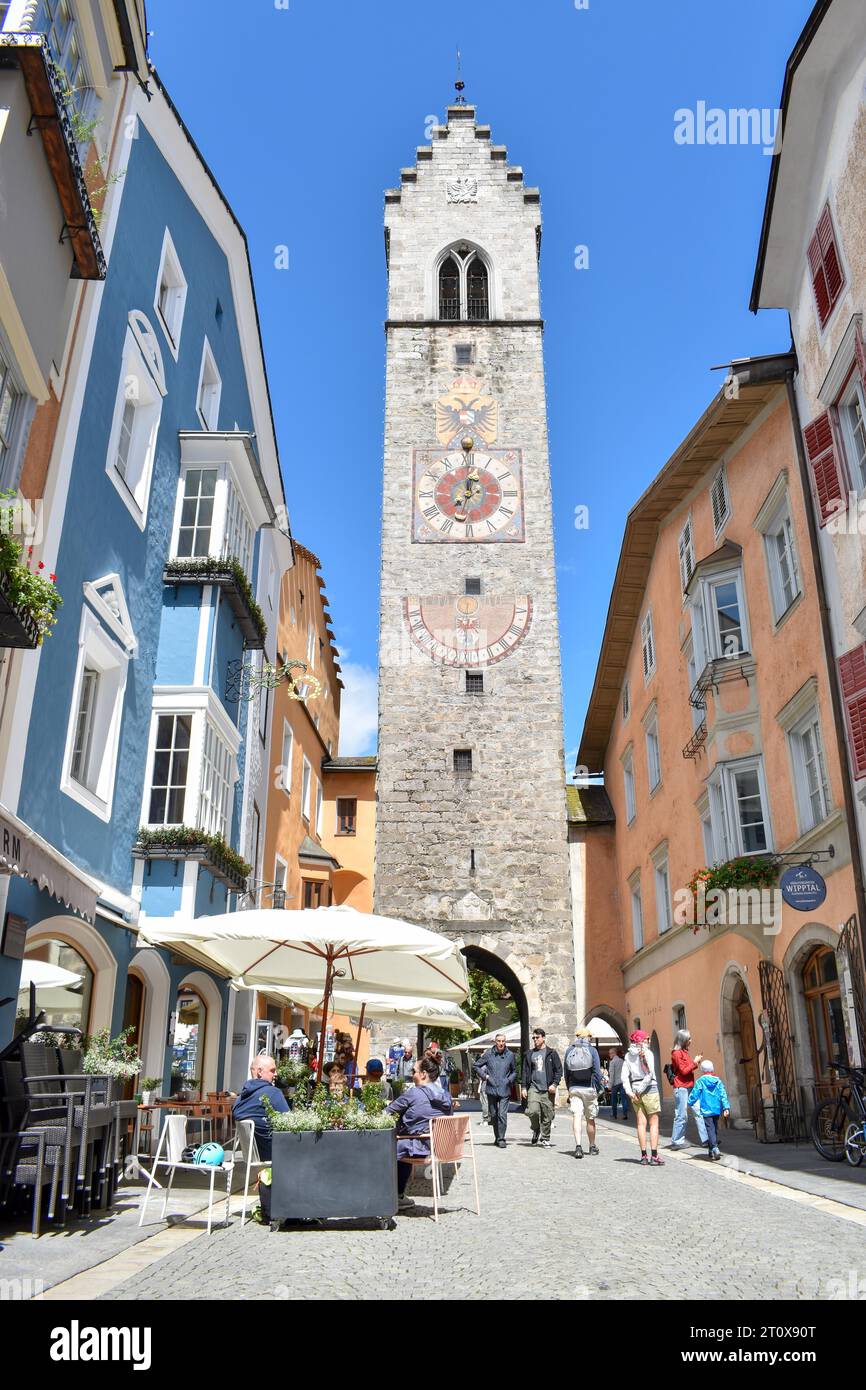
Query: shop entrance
(748, 1058)
(823, 997)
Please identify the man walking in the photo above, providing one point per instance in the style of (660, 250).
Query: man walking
(617, 1090)
(542, 1071)
(498, 1072)
(583, 1079)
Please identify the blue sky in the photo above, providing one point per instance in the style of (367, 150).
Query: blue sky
(307, 113)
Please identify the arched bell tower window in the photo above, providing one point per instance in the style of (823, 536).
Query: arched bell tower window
(464, 292)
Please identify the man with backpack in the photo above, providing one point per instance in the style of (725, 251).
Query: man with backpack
(583, 1079)
(542, 1071)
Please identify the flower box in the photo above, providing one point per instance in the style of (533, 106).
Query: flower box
(18, 627)
(333, 1173)
(228, 576)
(227, 868)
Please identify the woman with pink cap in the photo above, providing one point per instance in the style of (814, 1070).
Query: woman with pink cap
(642, 1088)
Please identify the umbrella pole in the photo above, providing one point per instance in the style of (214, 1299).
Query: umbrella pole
(358, 1040)
(326, 1002)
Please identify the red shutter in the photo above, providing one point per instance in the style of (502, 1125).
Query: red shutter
(819, 282)
(852, 675)
(830, 254)
(827, 480)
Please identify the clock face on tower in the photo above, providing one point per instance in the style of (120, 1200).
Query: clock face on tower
(467, 495)
(462, 630)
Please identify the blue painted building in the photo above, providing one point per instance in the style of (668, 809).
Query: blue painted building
(168, 547)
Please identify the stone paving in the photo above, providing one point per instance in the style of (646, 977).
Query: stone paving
(600, 1228)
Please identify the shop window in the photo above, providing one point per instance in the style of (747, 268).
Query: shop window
(188, 1041)
(824, 1008)
(316, 893)
(63, 1003)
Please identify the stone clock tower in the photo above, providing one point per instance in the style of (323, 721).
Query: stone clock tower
(471, 822)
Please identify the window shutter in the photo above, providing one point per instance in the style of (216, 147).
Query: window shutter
(852, 675)
(826, 267)
(719, 501)
(827, 481)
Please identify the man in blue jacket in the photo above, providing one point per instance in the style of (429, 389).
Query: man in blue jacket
(248, 1105)
(497, 1069)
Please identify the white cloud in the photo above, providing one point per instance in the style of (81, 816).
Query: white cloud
(359, 712)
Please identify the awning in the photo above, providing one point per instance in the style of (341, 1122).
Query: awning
(25, 853)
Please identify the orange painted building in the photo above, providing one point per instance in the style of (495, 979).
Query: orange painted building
(712, 724)
(317, 844)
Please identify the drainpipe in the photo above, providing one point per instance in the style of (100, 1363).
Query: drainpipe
(835, 697)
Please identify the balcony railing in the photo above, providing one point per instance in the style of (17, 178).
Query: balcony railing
(697, 741)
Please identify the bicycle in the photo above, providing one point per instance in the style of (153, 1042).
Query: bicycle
(839, 1124)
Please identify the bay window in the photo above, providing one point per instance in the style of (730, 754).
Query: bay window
(211, 516)
(739, 809)
(719, 623)
(192, 764)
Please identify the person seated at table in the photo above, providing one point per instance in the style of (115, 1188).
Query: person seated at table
(248, 1105)
(335, 1080)
(375, 1076)
(416, 1109)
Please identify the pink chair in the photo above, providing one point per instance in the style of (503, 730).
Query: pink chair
(448, 1135)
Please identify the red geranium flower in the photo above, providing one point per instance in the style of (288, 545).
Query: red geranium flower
(52, 577)
(42, 564)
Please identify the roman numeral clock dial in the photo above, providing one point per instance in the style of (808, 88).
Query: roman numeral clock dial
(468, 494)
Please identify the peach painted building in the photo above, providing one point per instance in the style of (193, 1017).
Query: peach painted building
(317, 843)
(712, 723)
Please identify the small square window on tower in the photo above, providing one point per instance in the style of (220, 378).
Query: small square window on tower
(474, 682)
(462, 761)
(473, 586)
(464, 354)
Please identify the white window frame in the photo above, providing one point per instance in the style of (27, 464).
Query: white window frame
(98, 651)
(628, 783)
(727, 829)
(653, 748)
(636, 902)
(209, 390)
(706, 631)
(205, 709)
(773, 519)
(171, 271)
(281, 872)
(809, 726)
(662, 883)
(287, 754)
(707, 837)
(626, 701)
(229, 513)
(686, 552)
(311, 646)
(216, 784)
(306, 780)
(320, 802)
(720, 484)
(648, 646)
(137, 385)
(853, 394)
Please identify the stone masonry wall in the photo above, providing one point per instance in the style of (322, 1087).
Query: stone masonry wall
(511, 809)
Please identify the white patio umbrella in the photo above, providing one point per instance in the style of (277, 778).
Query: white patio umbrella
(313, 948)
(44, 975)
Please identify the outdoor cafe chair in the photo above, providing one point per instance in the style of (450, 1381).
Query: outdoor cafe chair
(245, 1144)
(448, 1135)
(169, 1151)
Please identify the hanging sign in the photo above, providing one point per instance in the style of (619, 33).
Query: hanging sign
(802, 888)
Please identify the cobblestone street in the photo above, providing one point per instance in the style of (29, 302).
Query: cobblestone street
(601, 1228)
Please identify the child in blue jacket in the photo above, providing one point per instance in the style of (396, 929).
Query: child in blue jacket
(710, 1095)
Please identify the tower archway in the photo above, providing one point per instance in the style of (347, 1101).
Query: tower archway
(505, 970)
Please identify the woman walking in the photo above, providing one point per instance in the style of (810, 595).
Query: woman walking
(684, 1069)
(642, 1088)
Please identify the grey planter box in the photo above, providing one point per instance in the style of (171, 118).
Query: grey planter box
(338, 1173)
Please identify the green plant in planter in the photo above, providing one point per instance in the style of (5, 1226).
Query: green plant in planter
(107, 1056)
(292, 1073)
(320, 1114)
(151, 1083)
(212, 565)
(747, 873)
(190, 837)
(372, 1098)
(33, 590)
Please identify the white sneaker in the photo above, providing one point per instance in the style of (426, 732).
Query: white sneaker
(681, 1144)
(405, 1203)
